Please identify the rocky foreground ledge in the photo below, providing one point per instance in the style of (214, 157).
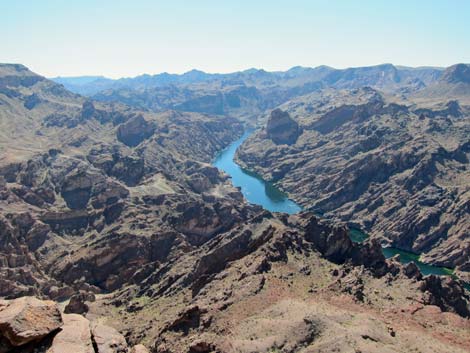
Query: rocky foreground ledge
(28, 324)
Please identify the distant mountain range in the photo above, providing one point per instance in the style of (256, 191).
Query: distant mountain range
(383, 75)
(247, 94)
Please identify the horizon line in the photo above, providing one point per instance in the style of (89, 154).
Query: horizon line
(252, 68)
(180, 73)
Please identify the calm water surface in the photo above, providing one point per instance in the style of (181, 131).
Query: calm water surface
(253, 187)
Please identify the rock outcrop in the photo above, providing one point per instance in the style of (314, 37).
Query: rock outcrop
(281, 128)
(445, 293)
(78, 303)
(139, 348)
(134, 131)
(30, 325)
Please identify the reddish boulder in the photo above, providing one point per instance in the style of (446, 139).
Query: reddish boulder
(28, 319)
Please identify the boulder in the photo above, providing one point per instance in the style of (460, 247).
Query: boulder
(140, 348)
(75, 336)
(281, 128)
(28, 319)
(201, 346)
(77, 304)
(108, 339)
(59, 293)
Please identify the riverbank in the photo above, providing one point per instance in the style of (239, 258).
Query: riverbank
(260, 192)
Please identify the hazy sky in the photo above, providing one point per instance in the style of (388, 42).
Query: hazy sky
(126, 38)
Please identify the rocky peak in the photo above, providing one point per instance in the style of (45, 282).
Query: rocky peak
(456, 74)
(16, 75)
(281, 128)
(453, 108)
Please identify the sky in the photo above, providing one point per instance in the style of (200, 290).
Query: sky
(118, 38)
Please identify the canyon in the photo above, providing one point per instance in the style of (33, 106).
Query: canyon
(113, 219)
(395, 168)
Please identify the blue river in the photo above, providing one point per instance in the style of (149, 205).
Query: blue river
(254, 188)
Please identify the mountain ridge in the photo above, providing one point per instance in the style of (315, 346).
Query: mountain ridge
(248, 94)
(195, 76)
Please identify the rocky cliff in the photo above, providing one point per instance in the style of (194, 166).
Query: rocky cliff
(81, 189)
(281, 128)
(398, 171)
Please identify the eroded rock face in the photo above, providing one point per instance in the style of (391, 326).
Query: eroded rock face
(281, 128)
(334, 243)
(28, 319)
(76, 190)
(134, 131)
(128, 169)
(68, 221)
(361, 156)
(37, 235)
(88, 109)
(445, 293)
(20, 272)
